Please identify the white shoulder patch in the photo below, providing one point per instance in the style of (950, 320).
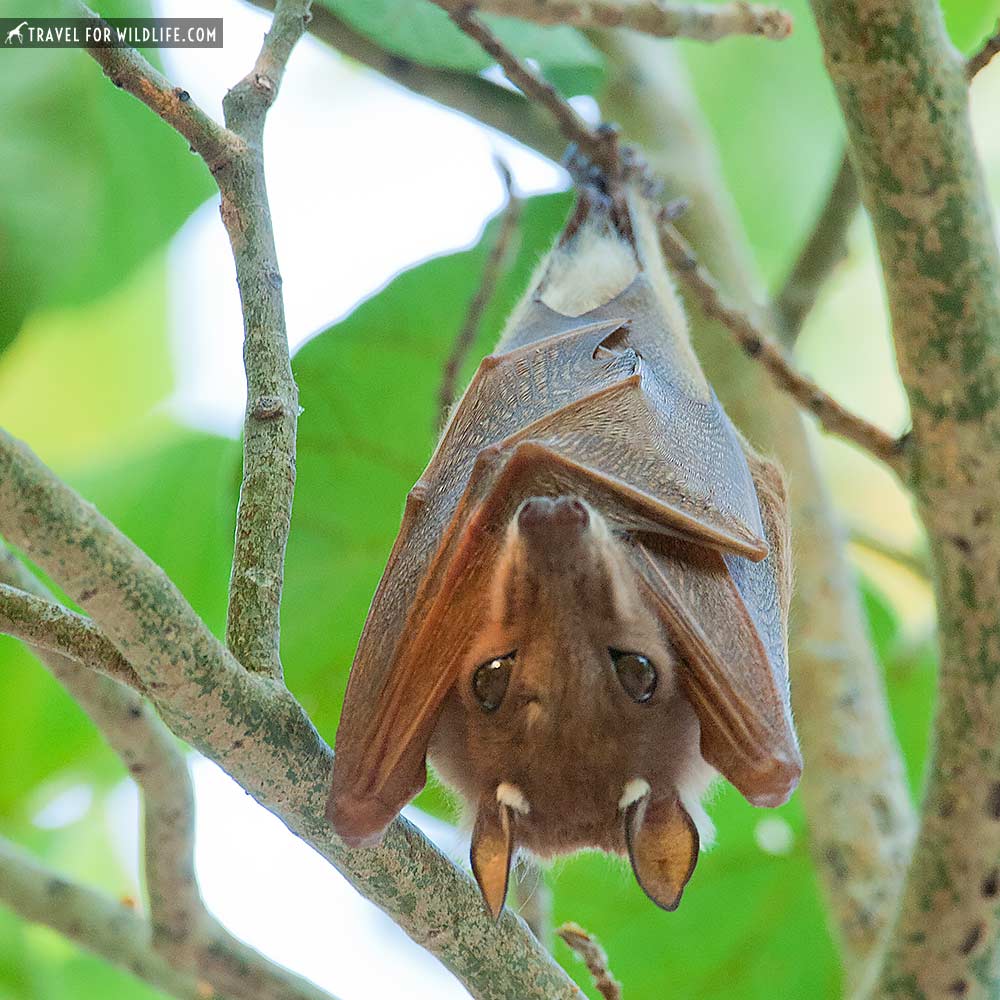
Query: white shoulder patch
(589, 271)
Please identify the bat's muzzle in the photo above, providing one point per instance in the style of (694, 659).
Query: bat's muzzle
(547, 520)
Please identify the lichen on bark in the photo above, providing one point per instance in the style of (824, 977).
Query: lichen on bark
(903, 90)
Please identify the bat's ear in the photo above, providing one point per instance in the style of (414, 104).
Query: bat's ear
(662, 846)
(492, 853)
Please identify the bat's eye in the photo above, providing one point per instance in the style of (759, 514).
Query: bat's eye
(489, 682)
(636, 674)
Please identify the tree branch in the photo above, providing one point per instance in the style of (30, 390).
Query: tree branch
(824, 249)
(600, 146)
(590, 952)
(51, 627)
(96, 922)
(180, 929)
(234, 155)
(979, 60)
(128, 70)
(904, 95)
(264, 513)
(853, 788)
(702, 22)
(834, 418)
(472, 96)
(256, 731)
(134, 732)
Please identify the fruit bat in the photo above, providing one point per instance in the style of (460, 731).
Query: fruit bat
(583, 618)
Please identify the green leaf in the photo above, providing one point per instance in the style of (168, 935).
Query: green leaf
(778, 128)
(750, 925)
(368, 387)
(423, 32)
(177, 502)
(93, 181)
(86, 382)
(883, 622)
(970, 22)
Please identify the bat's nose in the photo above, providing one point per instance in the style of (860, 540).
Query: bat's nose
(542, 518)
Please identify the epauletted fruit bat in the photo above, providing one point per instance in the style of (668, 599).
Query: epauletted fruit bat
(583, 618)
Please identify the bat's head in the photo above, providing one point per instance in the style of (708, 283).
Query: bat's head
(567, 727)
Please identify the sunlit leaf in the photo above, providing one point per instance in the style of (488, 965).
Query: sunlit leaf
(970, 21)
(83, 383)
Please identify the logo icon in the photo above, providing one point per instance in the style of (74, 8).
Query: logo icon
(15, 33)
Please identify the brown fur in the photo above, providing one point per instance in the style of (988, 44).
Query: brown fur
(682, 557)
(567, 734)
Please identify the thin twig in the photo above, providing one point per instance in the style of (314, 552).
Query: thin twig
(264, 513)
(984, 56)
(590, 952)
(55, 629)
(598, 145)
(826, 245)
(127, 69)
(824, 249)
(234, 155)
(834, 417)
(601, 147)
(698, 21)
(496, 261)
(918, 562)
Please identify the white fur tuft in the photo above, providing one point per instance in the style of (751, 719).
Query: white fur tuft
(635, 789)
(589, 271)
(692, 788)
(511, 796)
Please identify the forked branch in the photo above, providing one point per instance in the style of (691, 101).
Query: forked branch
(234, 155)
(180, 931)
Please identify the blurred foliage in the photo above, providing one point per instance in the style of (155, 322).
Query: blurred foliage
(95, 186)
(777, 94)
(423, 32)
(93, 183)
